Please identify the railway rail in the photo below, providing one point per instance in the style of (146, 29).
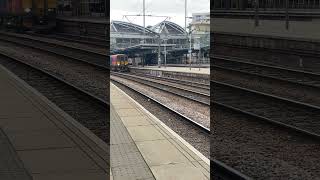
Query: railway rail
(88, 109)
(198, 85)
(182, 91)
(286, 74)
(94, 42)
(260, 139)
(221, 171)
(307, 61)
(90, 57)
(280, 113)
(298, 116)
(258, 81)
(247, 87)
(193, 122)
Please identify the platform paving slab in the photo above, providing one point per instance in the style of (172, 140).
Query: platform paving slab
(185, 171)
(126, 160)
(48, 142)
(136, 121)
(11, 166)
(166, 154)
(144, 133)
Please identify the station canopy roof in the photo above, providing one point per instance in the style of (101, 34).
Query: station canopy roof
(164, 27)
(169, 28)
(127, 27)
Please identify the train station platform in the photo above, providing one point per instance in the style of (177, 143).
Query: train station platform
(194, 70)
(182, 73)
(142, 147)
(41, 142)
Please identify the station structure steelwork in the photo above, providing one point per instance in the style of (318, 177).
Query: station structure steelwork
(171, 33)
(164, 42)
(94, 8)
(294, 13)
(126, 34)
(147, 45)
(273, 25)
(266, 4)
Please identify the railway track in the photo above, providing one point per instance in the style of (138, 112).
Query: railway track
(94, 42)
(287, 89)
(90, 57)
(221, 171)
(286, 153)
(193, 122)
(182, 91)
(299, 116)
(198, 85)
(246, 91)
(86, 108)
(285, 74)
(297, 120)
(295, 59)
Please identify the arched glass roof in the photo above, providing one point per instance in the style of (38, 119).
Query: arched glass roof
(167, 27)
(126, 27)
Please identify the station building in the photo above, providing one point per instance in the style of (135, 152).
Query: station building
(90, 8)
(144, 44)
(86, 18)
(296, 19)
(125, 34)
(167, 37)
(270, 30)
(200, 28)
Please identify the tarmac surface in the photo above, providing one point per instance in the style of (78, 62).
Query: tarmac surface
(41, 142)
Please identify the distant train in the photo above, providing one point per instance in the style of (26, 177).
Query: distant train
(28, 14)
(119, 62)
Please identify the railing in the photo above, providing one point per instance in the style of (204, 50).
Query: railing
(270, 5)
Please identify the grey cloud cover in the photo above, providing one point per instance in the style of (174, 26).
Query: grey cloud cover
(173, 8)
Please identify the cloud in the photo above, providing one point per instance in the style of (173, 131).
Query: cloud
(172, 8)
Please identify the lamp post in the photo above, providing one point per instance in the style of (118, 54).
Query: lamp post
(190, 50)
(45, 11)
(144, 20)
(199, 55)
(256, 12)
(185, 15)
(165, 52)
(287, 14)
(159, 51)
(106, 9)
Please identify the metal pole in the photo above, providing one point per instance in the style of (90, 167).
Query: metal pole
(159, 53)
(62, 6)
(199, 55)
(256, 14)
(33, 11)
(165, 54)
(190, 51)
(45, 11)
(287, 14)
(185, 15)
(144, 20)
(105, 8)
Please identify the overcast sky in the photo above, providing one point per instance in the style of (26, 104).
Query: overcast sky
(172, 8)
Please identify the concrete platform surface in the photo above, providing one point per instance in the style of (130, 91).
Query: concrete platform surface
(43, 142)
(178, 69)
(98, 20)
(161, 153)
